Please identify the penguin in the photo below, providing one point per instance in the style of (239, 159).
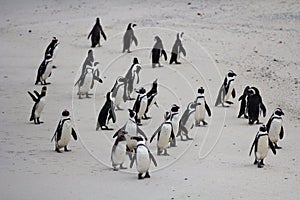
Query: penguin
(106, 113)
(49, 52)
(63, 132)
(174, 115)
(157, 51)
(39, 103)
(226, 90)
(44, 71)
(275, 128)
(186, 122)
(142, 158)
(130, 76)
(151, 99)
(254, 105)
(201, 107)
(129, 37)
(164, 133)
(118, 152)
(243, 99)
(118, 91)
(95, 34)
(177, 49)
(140, 105)
(261, 146)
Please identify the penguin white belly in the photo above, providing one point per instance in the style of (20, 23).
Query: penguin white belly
(131, 128)
(47, 72)
(119, 154)
(119, 96)
(142, 159)
(65, 134)
(143, 107)
(175, 124)
(164, 136)
(152, 102)
(274, 130)
(131, 143)
(230, 89)
(189, 123)
(39, 107)
(85, 88)
(262, 147)
(200, 112)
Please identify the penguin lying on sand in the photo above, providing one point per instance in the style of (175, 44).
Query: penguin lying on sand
(39, 103)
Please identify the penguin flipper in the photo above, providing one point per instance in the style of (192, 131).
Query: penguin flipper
(219, 98)
(182, 50)
(272, 147)
(281, 133)
(152, 158)
(253, 144)
(74, 134)
(134, 40)
(268, 125)
(32, 96)
(207, 109)
(103, 34)
(142, 133)
(263, 107)
(164, 54)
(155, 133)
(233, 94)
(132, 160)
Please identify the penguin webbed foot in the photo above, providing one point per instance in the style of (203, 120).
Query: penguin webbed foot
(204, 123)
(140, 176)
(276, 146)
(229, 102)
(122, 167)
(166, 153)
(255, 162)
(147, 175)
(261, 164)
(115, 168)
(57, 150)
(87, 96)
(66, 149)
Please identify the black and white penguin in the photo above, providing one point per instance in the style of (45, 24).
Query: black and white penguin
(186, 122)
(254, 105)
(243, 99)
(142, 158)
(275, 128)
(39, 104)
(177, 49)
(157, 51)
(201, 108)
(49, 52)
(151, 97)
(130, 76)
(129, 37)
(63, 132)
(118, 152)
(95, 33)
(44, 71)
(175, 122)
(261, 146)
(165, 133)
(226, 90)
(140, 105)
(118, 92)
(106, 113)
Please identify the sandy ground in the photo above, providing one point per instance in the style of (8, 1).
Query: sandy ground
(258, 40)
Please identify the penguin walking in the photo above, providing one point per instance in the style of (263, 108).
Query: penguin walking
(254, 105)
(243, 99)
(151, 97)
(174, 117)
(130, 76)
(157, 51)
(226, 90)
(129, 37)
(118, 92)
(142, 158)
(186, 122)
(140, 105)
(95, 34)
(261, 146)
(275, 127)
(164, 133)
(39, 104)
(177, 49)
(44, 71)
(63, 132)
(49, 52)
(201, 107)
(106, 113)
(118, 152)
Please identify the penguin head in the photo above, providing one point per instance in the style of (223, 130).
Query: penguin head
(121, 79)
(131, 113)
(167, 115)
(97, 20)
(263, 128)
(65, 113)
(201, 90)
(175, 108)
(43, 91)
(135, 60)
(251, 91)
(278, 112)
(141, 91)
(231, 74)
(157, 39)
(54, 40)
(192, 106)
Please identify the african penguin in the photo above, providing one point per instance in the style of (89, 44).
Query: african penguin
(129, 37)
(49, 52)
(140, 105)
(39, 103)
(275, 128)
(201, 108)
(118, 91)
(106, 113)
(130, 76)
(177, 49)
(157, 51)
(243, 99)
(186, 122)
(254, 105)
(118, 152)
(44, 71)
(174, 117)
(95, 34)
(226, 90)
(151, 97)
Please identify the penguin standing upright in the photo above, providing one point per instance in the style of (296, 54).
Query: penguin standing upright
(118, 91)
(44, 71)
(39, 103)
(142, 158)
(186, 122)
(151, 97)
(226, 90)
(95, 33)
(175, 122)
(177, 49)
(129, 37)
(261, 146)
(106, 113)
(49, 52)
(243, 99)
(157, 51)
(275, 128)
(63, 132)
(201, 107)
(254, 105)
(165, 133)
(130, 76)
(118, 152)
(140, 105)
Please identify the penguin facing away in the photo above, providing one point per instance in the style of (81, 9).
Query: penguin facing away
(39, 104)
(129, 37)
(177, 49)
(118, 91)
(44, 71)
(201, 108)
(226, 90)
(130, 76)
(157, 51)
(142, 158)
(140, 105)
(254, 105)
(95, 34)
(63, 132)
(261, 146)
(275, 127)
(243, 99)
(151, 97)
(106, 113)
(186, 122)
(118, 152)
